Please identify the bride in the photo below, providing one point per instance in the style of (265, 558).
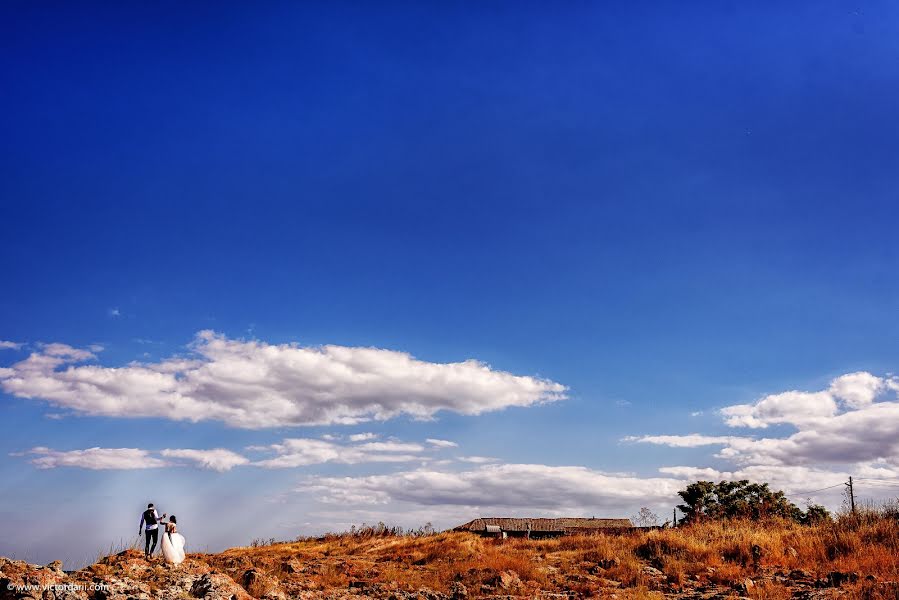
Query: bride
(172, 542)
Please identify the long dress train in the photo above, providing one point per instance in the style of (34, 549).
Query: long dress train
(173, 548)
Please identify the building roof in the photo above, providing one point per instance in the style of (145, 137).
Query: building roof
(538, 524)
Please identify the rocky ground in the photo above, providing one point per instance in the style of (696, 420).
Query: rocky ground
(397, 572)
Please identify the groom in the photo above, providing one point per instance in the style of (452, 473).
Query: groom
(150, 518)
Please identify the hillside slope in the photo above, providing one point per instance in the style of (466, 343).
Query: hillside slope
(713, 560)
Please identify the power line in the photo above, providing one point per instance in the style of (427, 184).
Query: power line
(814, 491)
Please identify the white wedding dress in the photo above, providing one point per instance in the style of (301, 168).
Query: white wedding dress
(173, 548)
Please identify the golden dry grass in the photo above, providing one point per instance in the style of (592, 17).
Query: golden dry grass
(722, 553)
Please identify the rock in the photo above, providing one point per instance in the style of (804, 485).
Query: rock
(838, 578)
(799, 574)
(509, 580)
(652, 572)
(428, 594)
(743, 587)
(56, 565)
(260, 585)
(216, 586)
(608, 563)
(291, 566)
(122, 589)
(458, 591)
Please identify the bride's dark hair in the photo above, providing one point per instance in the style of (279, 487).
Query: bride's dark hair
(172, 519)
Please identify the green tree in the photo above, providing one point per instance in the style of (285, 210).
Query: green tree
(733, 499)
(815, 513)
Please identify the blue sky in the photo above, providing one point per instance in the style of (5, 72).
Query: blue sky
(666, 209)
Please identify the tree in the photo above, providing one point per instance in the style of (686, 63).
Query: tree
(732, 499)
(645, 518)
(814, 514)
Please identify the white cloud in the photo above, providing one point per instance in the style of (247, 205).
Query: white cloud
(291, 452)
(790, 479)
(442, 443)
(216, 459)
(787, 407)
(391, 446)
(691, 440)
(510, 486)
(692, 473)
(850, 391)
(852, 427)
(857, 389)
(252, 384)
(357, 437)
(478, 460)
(4, 345)
(298, 452)
(95, 458)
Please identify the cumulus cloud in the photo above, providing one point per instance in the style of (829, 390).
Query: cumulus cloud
(507, 486)
(357, 437)
(847, 392)
(216, 459)
(787, 407)
(850, 427)
(95, 458)
(252, 384)
(4, 345)
(858, 389)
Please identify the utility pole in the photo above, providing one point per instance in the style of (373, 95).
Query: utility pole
(851, 495)
(674, 521)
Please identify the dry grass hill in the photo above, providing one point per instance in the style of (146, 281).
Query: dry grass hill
(853, 557)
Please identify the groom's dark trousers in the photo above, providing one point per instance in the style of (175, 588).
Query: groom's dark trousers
(152, 535)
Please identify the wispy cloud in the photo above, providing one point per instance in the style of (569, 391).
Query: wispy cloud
(217, 459)
(251, 384)
(95, 458)
(290, 453)
(5, 345)
(692, 440)
(298, 452)
(509, 486)
(441, 443)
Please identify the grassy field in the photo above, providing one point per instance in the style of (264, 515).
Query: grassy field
(855, 556)
(776, 556)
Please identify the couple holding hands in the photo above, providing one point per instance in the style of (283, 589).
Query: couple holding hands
(172, 542)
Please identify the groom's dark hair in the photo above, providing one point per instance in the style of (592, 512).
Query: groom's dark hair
(150, 505)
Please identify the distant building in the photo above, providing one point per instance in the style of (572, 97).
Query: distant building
(502, 527)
